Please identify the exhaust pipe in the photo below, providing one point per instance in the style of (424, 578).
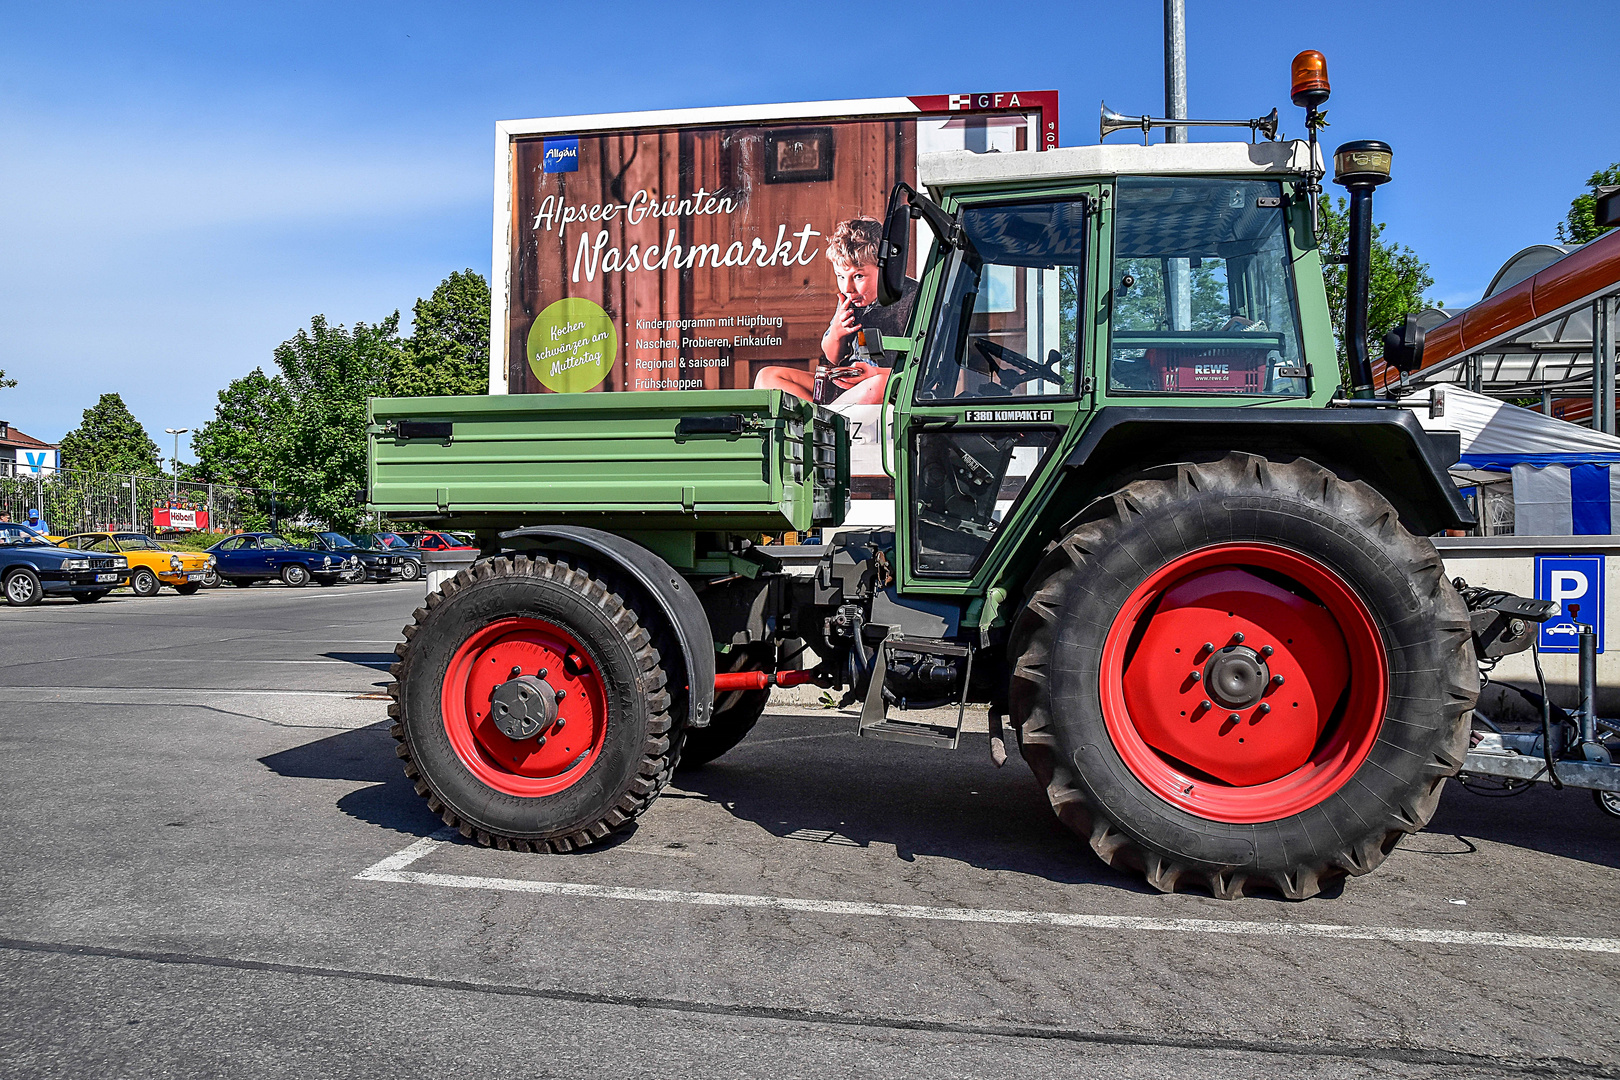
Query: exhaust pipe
(1359, 166)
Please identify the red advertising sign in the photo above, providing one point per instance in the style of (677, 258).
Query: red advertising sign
(167, 517)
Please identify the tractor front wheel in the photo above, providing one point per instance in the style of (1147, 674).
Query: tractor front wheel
(530, 706)
(1243, 675)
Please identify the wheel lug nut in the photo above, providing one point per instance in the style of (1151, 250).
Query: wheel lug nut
(1196, 675)
(1266, 650)
(542, 673)
(1234, 717)
(1262, 710)
(561, 694)
(1237, 638)
(1203, 704)
(516, 671)
(1276, 680)
(558, 726)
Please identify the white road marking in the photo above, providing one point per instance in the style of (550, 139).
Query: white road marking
(15, 692)
(392, 869)
(197, 661)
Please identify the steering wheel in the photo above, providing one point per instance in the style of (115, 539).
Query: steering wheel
(1024, 369)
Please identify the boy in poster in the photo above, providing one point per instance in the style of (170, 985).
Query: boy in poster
(853, 251)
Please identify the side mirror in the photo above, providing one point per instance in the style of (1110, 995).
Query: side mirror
(1403, 347)
(896, 249)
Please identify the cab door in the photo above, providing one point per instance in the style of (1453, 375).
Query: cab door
(1004, 376)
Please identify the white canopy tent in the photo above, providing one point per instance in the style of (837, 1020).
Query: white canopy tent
(1563, 480)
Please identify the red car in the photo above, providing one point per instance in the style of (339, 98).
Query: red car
(436, 541)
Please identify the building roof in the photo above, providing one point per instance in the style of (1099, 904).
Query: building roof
(1117, 159)
(1533, 329)
(17, 440)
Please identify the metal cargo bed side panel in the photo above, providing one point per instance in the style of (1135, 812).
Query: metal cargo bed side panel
(595, 458)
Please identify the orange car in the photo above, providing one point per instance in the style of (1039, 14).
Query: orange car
(151, 565)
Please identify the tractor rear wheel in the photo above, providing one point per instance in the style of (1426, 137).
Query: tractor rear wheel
(1243, 675)
(530, 706)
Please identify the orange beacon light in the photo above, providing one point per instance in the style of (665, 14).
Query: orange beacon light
(1310, 88)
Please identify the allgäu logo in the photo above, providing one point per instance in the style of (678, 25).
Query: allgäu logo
(561, 155)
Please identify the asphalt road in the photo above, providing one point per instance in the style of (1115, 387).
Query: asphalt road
(213, 866)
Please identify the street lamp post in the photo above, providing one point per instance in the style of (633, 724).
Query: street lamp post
(176, 432)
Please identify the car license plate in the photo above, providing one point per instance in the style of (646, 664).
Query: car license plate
(106, 577)
(194, 577)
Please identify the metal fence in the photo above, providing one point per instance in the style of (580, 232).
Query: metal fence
(73, 500)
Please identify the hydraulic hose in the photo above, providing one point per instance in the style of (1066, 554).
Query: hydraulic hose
(1546, 719)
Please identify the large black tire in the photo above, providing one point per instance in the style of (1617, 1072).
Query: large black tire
(23, 588)
(639, 747)
(188, 588)
(734, 715)
(1415, 738)
(89, 597)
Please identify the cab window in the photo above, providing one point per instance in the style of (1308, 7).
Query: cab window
(1007, 325)
(1202, 289)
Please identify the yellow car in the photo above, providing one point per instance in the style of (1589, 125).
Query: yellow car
(151, 565)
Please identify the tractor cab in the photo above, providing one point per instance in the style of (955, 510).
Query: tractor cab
(1177, 275)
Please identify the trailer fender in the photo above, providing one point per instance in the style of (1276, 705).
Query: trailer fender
(673, 595)
(1386, 447)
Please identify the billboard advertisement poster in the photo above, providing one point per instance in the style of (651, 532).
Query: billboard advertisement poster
(721, 248)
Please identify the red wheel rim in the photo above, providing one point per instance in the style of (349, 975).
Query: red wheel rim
(528, 768)
(1292, 744)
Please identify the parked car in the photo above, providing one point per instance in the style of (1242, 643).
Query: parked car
(249, 557)
(437, 541)
(376, 564)
(407, 560)
(31, 568)
(151, 564)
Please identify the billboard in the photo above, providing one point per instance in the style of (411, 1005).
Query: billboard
(720, 248)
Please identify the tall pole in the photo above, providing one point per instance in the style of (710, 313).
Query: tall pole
(1606, 338)
(1175, 68)
(176, 432)
(1178, 271)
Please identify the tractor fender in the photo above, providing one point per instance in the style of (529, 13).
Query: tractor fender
(1387, 448)
(659, 581)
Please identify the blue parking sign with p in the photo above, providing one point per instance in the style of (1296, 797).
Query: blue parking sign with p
(1575, 584)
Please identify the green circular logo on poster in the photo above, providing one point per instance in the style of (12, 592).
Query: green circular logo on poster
(572, 346)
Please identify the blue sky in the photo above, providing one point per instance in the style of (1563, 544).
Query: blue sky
(182, 186)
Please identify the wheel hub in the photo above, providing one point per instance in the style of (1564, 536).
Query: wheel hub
(524, 706)
(1203, 685)
(1236, 676)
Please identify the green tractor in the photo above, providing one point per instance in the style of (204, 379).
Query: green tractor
(1136, 514)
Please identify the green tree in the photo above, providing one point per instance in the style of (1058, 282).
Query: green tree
(448, 350)
(1396, 284)
(110, 439)
(5, 383)
(329, 372)
(242, 444)
(1581, 225)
